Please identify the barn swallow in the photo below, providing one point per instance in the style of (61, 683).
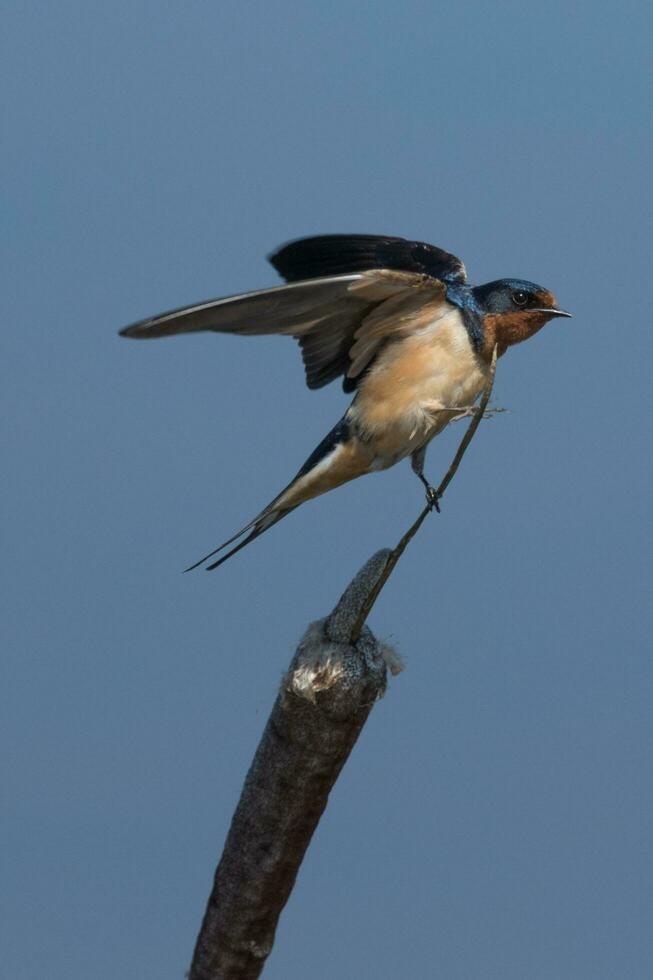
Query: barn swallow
(399, 321)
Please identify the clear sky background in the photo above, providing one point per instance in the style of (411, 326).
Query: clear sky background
(494, 821)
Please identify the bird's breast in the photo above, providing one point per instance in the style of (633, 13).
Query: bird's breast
(403, 400)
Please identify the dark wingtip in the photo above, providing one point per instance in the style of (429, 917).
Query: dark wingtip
(134, 331)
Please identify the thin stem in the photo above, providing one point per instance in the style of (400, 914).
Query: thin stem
(473, 426)
(398, 551)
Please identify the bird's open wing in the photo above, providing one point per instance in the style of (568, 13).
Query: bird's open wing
(330, 255)
(340, 320)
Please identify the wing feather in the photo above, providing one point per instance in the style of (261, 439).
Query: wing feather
(277, 310)
(326, 255)
(339, 321)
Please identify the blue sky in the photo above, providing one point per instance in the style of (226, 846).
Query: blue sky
(494, 819)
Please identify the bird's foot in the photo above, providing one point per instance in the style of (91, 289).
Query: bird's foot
(432, 498)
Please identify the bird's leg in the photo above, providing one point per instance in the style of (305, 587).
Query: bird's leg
(417, 462)
(432, 495)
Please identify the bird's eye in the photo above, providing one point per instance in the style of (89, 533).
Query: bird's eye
(520, 297)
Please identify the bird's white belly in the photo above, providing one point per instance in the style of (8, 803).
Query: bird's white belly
(415, 389)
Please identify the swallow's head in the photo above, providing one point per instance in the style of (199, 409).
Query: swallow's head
(513, 310)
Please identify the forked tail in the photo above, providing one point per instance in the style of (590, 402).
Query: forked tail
(260, 524)
(321, 472)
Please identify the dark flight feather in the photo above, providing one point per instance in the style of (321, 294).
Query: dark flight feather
(279, 309)
(328, 316)
(330, 255)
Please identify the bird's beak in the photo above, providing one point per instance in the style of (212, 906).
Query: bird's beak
(551, 311)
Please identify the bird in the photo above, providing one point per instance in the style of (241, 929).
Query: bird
(412, 340)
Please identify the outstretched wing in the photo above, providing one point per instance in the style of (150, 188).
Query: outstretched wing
(340, 320)
(330, 255)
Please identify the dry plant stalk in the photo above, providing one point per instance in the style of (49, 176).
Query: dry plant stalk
(337, 674)
(324, 700)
